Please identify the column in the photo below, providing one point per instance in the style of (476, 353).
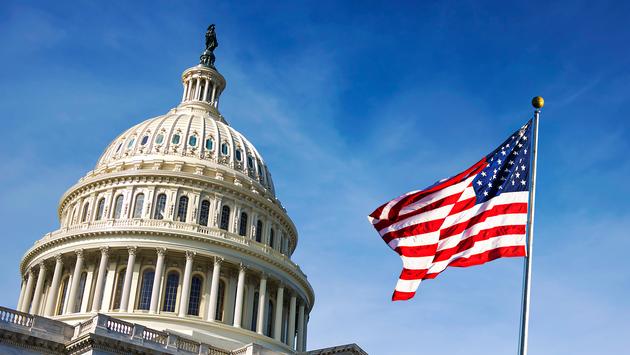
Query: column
(41, 278)
(300, 328)
(157, 280)
(185, 91)
(262, 305)
(51, 302)
(306, 317)
(214, 289)
(277, 333)
(214, 95)
(100, 280)
(291, 332)
(197, 88)
(76, 276)
(183, 303)
(28, 293)
(22, 290)
(240, 290)
(124, 300)
(205, 90)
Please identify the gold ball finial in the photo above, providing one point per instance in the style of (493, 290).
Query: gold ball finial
(538, 102)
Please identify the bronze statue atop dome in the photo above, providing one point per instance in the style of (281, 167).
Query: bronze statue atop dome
(207, 58)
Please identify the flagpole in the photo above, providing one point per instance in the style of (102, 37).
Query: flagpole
(538, 103)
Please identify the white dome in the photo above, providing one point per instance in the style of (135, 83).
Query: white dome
(192, 136)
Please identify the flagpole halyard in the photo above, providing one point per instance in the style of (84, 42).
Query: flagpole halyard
(538, 103)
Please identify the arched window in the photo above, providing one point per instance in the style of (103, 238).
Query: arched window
(144, 140)
(100, 208)
(225, 149)
(170, 292)
(175, 139)
(85, 212)
(225, 217)
(63, 292)
(271, 237)
(79, 296)
(239, 155)
(192, 141)
(209, 144)
(255, 312)
(159, 139)
(74, 212)
(259, 230)
(146, 288)
(204, 211)
(270, 320)
(118, 206)
(138, 204)
(220, 301)
(120, 280)
(182, 208)
(195, 295)
(242, 227)
(160, 205)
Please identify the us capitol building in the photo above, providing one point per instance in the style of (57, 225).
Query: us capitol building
(174, 244)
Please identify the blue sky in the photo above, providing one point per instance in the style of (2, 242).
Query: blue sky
(351, 104)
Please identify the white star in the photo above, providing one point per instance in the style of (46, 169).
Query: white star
(511, 162)
(500, 187)
(512, 182)
(485, 193)
(483, 173)
(495, 171)
(479, 182)
(524, 137)
(522, 182)
(525, 151)
(494, 176)
(499, 161)
(522, 167)
(489, 184)
(520, 145)
(518, 175)
(503, 152)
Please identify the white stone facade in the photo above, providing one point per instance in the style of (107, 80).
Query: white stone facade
(177, 228)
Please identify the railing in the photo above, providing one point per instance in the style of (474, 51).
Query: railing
(187, 345)
(155, 336)
(8, 315)
(118, 326)
(86, 326)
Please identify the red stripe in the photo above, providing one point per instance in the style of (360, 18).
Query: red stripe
(463, 205)
(448, 200)
(417, 251)
(410, 274)
(402, 296)
(502, 252)
(510, 208)
(469, 242)
(407, 200)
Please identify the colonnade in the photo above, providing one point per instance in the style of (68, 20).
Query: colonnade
(201, 88)
(148, 280)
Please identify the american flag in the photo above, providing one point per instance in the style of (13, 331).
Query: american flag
(469, 219)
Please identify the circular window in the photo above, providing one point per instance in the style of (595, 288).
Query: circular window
(192, 141)
(225, 149)
(144, 140)
(159, 139)
(209, 144)
(176, 138)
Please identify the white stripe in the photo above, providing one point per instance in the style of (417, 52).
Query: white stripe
(491, 222)
(502, 199)
(417, 263)
(407, 285)
(393, 202)
(480, 247)
(416, 240)
(436, 196)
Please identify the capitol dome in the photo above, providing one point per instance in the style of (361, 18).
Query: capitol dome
(177, 228)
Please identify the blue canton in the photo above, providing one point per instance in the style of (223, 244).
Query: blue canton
(508, 167)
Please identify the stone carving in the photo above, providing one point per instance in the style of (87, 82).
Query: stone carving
(207, 58)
